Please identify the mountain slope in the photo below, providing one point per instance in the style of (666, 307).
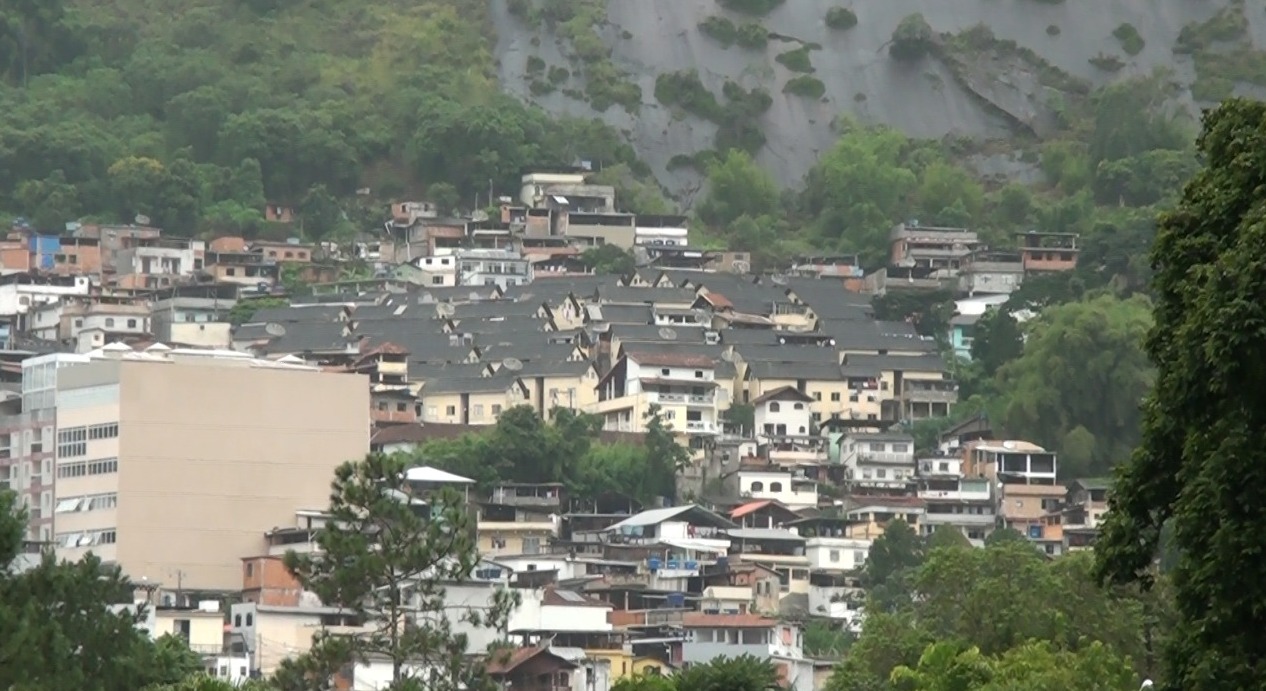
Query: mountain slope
(983, 88)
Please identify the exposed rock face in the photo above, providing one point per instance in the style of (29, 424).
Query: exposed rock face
(981, 95)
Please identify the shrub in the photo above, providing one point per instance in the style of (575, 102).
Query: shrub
(685, 90)
(1229, 24)
(535, 65)
(912, 39)
(841, 18)
(796, 60)
(752, 36)
(558, 75)
(1107, 63)
(1131, 42)
(1052, 30)
(758, 8)
(720, 30)
(805, 85)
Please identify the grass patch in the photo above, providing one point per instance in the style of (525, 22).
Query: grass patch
(719, 29)
(796, 60)
(1131, 42)
(841, 18)
(805, 85)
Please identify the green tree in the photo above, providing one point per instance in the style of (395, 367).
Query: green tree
(320, 213)
(385, 558)
(737, 187)
(49, 203)
(1083, 365)
(60, 629)
(891, 562)
(609, 259)
(997, 340)
(1202, 426)
(744, 673)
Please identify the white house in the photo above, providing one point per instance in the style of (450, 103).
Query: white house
(881, 460)
(783, 486)
(782, 412)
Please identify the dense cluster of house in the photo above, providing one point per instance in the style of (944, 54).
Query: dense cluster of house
(134, 412)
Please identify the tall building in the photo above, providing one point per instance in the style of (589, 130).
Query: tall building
(173, 463)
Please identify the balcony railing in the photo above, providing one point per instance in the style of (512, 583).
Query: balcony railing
(700, 426)
(967, 519)
(701, 399)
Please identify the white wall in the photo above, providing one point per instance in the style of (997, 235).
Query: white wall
(17, 298)
(836, 553)
(784, 494)
(786, 413)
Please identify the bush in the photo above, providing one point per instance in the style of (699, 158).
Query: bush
(752, 36)
(841, 18)
(535, 65)
(1229, 24)
(558, 75)
(1052, 30)
(1107, 63)
(912, 39)
(758, 8)
(805, 85)
(720, 30)
(686, 91)
(796, 60)
(1131, 42)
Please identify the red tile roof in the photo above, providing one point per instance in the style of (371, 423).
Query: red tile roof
(750, 507)
(718, 300)
(506, 661)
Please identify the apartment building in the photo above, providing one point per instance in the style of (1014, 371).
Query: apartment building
(172, 463)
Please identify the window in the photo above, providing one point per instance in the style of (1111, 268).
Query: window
(230, 271)
(664, 372)
(437, 280)
(834, 555)
(109, 322)
(450, 410)
(382, 406)
(290, 255)
(479, 410)
(799, 406)
(79, 323)
(775, 407)
(402, 407)
(817, 395)
(250, 619)
(496, 409)
(881, 473)
(835, 396)
(698, 374)
(237, 620)
(531, 545)
(250, 569)
(758, 486)
(131, 323)
(901, 448)
(775, 487)
(102, 466)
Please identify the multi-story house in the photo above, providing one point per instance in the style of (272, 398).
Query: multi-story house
(197, 319)
(966, 504)
(476, 400)
(773, 483)
(89, 325)
(878, 461)
(918, 246)
(683, 386)
(20, 292)
(712, 636)
(1028, 492)
(439, 271)
(1045, 252)
(502, 268)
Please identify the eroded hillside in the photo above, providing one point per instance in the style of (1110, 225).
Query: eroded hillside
(988, 69)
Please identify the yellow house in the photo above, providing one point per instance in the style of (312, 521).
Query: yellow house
(682, 384)
(624, 664)
(550, 385)
(508, 530)
(471, 400)
(918, 386)
(832, 393)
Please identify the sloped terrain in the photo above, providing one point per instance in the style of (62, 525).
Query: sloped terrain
(1005, 83)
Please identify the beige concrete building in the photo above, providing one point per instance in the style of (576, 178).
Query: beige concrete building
(173, 463)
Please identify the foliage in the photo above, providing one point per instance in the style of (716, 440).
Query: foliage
(60, 628)
(757, 8)
(243, 310)
(523, 448)
(805, 85)
(1082, 366)
(796, 60)
(737, 187)
(912, 39)
(983, 609)
(890, 563)
(609, 259)
(1202, 424)
(383, 559)
(841, 18)
(1131, 42)
(997, 340)
(744, 673)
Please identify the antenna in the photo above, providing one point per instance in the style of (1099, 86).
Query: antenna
(274, 329)
(668, 334)
(445, 309)
(513, 364)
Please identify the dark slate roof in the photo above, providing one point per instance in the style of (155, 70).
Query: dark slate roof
(757, 337)
(281, 315)
(550, 289)
(787, 353)
(617, 295)
(795, 370)
(524, 349)
(393, 309)
(637, 333)
(917, 363)
(501, 326)
(828, 298)
(442, 385)
(621, 314)
(427, 372)
(869, 335)
(309, 337)
(693, 349)
(547, 368)
(453, 294)
(496, 308)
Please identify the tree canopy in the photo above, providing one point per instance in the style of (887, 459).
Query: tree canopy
(1203, 424)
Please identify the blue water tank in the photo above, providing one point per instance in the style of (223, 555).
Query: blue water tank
(723, 562)
(692, 566)
(653, 564)
(1035, 532)
(677, 600)
(673, 564)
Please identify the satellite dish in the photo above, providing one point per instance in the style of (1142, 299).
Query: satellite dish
(776, 279)
(727, 355)
(274, 329)
(740, 266)
(668, 334)
(142, 220)
(701, 315)
(513, 364)
(445, 309)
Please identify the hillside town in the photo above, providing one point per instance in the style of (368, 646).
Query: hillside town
(178, 407)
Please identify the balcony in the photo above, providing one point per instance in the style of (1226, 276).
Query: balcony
(700, 399)
(701, 426)
(956, 494)
(959, 519)
(669, 397)
(945, 393)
